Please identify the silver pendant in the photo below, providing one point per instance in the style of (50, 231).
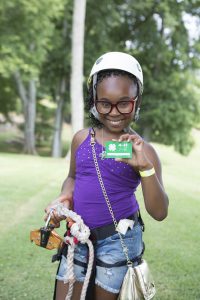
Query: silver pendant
(102, 155)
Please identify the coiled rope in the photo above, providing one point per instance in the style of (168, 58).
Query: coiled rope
(79, 233)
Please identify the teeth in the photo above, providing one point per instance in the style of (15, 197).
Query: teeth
(115, 122)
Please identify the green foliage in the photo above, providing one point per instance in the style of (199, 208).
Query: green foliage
(100, 35)
(154, 32)
(170, 111)
(8, 95)
(44, 126)
(25, 31)
(56, 67)
(35, 38)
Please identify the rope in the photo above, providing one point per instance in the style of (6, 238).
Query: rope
(70, 266)
(79, 233)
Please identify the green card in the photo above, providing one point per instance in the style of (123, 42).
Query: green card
(118, 149)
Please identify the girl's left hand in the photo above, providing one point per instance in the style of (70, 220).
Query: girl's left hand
(139, 160)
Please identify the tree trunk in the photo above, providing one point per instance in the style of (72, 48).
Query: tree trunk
(28, 100)
(76, 84)
(59, 97)
(57, 143)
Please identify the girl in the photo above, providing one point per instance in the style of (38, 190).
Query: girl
(115, 87)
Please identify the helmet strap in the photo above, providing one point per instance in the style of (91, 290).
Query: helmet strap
(94, 112)
(93, 109)
(94, 86)
(137, 114)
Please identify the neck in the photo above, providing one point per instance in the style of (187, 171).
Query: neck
(103, 135)
(113, 135)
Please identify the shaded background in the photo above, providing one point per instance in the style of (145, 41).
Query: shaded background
(36, 65)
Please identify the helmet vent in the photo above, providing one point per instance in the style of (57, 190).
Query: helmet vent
(139, 68)
(99, 60)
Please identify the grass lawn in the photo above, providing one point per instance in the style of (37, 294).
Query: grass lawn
(172, 247)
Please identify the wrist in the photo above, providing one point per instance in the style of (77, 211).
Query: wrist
(65, 196)
(145, 167)
(62, 197)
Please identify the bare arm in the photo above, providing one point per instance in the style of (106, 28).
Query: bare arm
(66, 195)
(145, 158)
(155, 197)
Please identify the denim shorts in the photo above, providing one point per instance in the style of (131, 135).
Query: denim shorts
(108, 251)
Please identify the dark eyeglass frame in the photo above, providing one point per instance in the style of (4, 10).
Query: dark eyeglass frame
(132, 100)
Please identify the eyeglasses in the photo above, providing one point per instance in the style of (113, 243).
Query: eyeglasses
(123, 107)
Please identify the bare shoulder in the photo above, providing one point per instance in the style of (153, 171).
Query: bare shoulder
(79, 137)
(154, 158)
(149, 147)
(151, 152)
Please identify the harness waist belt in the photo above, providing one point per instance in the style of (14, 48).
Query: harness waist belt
(105, 231)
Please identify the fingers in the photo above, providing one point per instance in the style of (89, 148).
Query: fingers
(56, 225)
(135, 139)
(66, 201)
(50, 206)
(125, 160)
(124, 137)
(129, 137)
(55, 218)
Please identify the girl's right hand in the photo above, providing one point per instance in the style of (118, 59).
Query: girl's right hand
(66, 201)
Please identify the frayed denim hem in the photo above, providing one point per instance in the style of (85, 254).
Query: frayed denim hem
(106, 288)
(60, 278)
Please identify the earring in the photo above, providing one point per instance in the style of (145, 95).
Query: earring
(137, 114)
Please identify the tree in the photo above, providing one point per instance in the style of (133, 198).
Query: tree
(155, 33)
(35, 39)
(26, 27)
(76, 86)
(57, 65)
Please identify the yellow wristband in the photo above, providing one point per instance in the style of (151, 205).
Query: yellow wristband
(147, 173)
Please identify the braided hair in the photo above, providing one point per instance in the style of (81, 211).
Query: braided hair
(89, 101)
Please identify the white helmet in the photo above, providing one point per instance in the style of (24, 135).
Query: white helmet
(118, 61)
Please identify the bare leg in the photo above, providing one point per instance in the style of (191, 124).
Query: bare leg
(77, 291)
(62, 289)
(101, 294)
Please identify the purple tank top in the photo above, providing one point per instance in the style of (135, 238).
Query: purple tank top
(120, 181)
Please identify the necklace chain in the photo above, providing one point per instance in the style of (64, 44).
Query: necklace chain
(125, 249)
(103, 153)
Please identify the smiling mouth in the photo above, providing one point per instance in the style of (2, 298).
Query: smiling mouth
(118, 122)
